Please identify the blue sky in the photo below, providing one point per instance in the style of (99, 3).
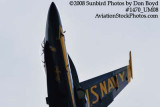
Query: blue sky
(96, 46)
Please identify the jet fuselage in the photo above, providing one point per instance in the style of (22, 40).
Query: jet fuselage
(59, 78)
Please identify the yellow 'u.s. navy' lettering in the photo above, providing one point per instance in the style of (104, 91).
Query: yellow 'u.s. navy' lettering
(103, 88)
(110, 85)
(115, 81)
(122, 76)
(95, 94)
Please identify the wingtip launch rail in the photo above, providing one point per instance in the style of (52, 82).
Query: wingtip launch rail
(130, 63)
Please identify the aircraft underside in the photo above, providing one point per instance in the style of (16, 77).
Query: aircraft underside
(63, 86)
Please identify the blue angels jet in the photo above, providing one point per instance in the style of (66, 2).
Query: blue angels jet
(64, 88)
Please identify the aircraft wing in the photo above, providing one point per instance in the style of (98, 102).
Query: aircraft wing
(103, 89)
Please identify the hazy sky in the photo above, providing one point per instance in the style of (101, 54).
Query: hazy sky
(96, 46)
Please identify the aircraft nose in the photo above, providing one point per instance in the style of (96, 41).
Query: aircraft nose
(53, 24)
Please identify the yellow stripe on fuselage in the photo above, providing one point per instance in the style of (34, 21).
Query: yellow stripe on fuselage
(66, 63)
